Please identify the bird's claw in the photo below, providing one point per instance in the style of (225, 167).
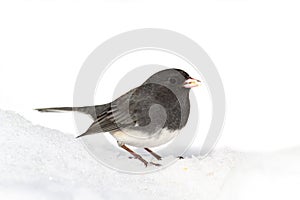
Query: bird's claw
(155, 164)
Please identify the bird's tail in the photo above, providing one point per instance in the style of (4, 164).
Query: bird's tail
(89, 110)
(56, 109)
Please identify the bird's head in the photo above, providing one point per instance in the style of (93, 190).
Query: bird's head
(175, 79)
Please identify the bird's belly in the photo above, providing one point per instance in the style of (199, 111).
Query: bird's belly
(142, 140)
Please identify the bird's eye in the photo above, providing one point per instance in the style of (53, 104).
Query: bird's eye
(172, 80)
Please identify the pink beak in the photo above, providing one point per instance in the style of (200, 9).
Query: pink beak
(191, 82)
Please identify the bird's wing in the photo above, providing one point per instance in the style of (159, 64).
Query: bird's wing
(115, 117)
(130, 110)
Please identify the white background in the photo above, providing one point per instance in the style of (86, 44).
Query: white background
(254, 44)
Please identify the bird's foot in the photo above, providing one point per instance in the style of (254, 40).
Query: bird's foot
(155, 164)
(157, 157)
(145, 162)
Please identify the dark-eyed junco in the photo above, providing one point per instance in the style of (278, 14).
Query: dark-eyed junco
(147, 116)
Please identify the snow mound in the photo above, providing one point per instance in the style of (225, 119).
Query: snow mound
(40, 163)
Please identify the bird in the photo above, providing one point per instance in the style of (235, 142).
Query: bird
(147, 116)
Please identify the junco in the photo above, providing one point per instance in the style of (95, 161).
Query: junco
(147, 116)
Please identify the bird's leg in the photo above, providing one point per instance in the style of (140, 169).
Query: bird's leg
(134, 154)
(153, 154)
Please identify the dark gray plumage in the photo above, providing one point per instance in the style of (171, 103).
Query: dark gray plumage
(160, 103)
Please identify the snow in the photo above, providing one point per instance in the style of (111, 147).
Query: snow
(41, 163)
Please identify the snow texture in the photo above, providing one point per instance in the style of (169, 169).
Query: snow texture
(40, 163)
